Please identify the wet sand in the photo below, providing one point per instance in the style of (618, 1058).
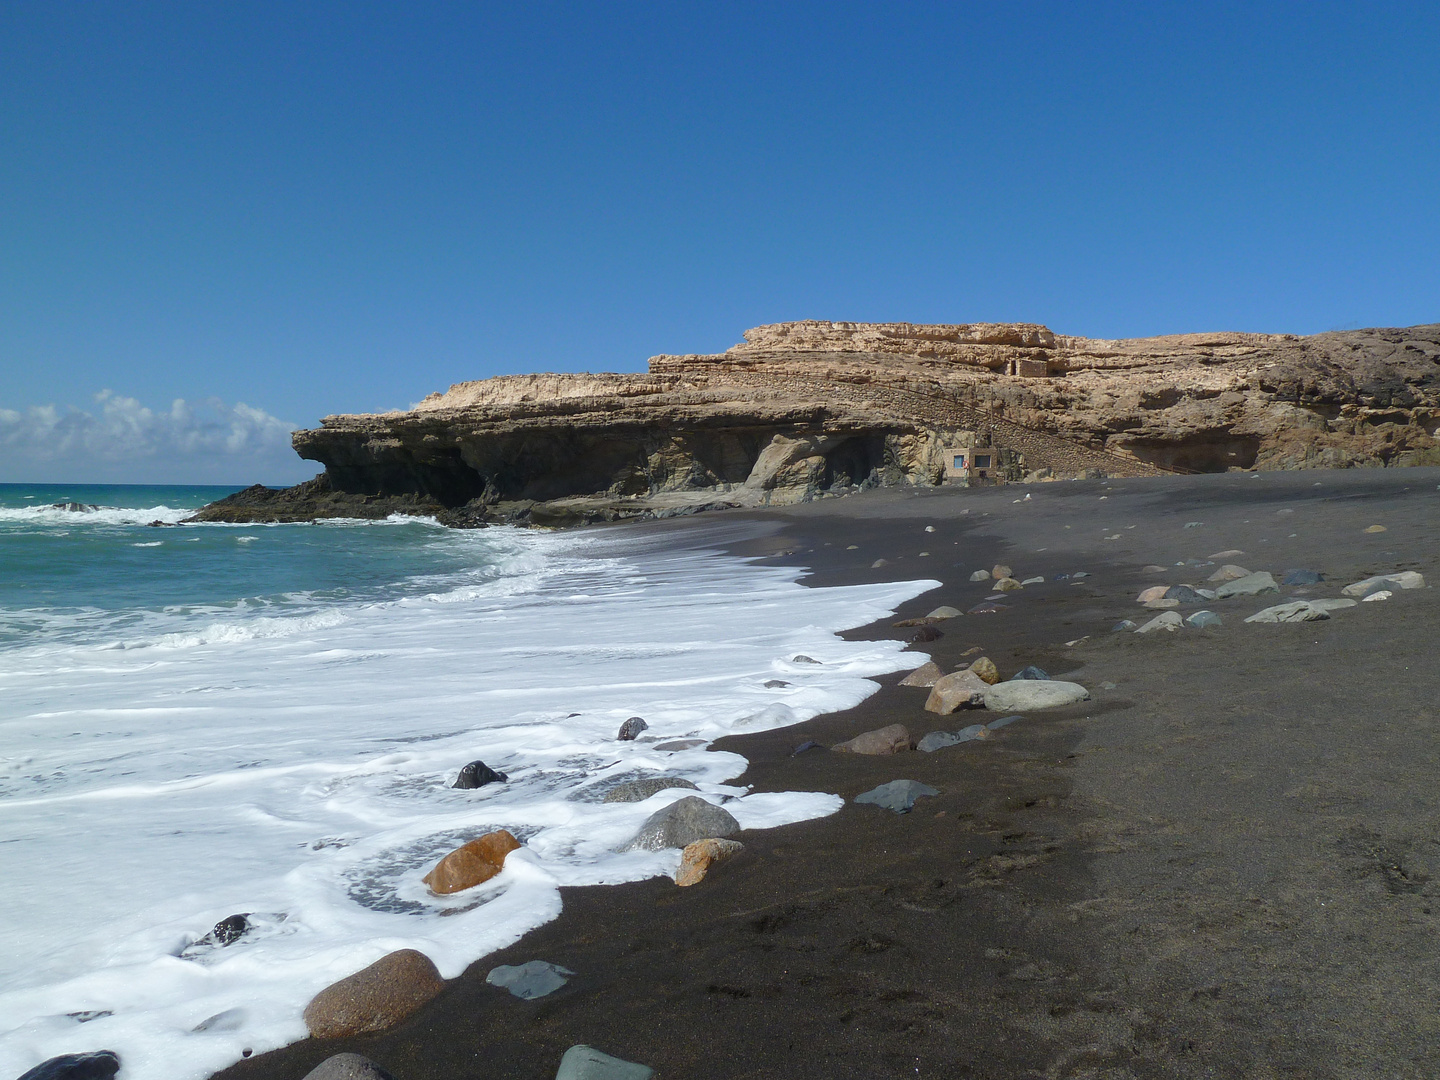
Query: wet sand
(1227, 865)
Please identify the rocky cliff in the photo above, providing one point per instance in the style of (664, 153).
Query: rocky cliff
(802, 410)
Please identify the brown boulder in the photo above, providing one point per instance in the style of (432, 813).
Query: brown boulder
(925, 675)
(468, 866)
(375, 997)
(1000, 570)
(1007, 584)
(956, 691)
(697, 858)
(986, 669)
(886, 740)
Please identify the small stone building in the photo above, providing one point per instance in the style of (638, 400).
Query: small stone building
(970, 458)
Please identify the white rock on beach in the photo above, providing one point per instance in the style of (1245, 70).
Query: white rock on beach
(1299, 611)
(1229, 572)
(1249, 585)
(1169, 620)
(1405, 579)
(1031, 694)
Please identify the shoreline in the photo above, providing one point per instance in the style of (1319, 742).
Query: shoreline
(1112, 888)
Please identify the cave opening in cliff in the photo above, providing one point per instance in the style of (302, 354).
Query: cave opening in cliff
(1209, 453)
(852, 461)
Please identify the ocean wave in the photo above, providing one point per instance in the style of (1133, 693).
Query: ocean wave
(100, 515)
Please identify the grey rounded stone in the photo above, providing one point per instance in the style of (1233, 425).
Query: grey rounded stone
(898, 795)
(1249, 585)
(1031, 672)
(96, 1065)
(478, 774)
(631, 729)
(583, 1062)
(1183, 593)
(944, 612)
(1024, 696)
(682, 823)
(530, 980)
(640, 790)
(1203, 618)
(348, 1067)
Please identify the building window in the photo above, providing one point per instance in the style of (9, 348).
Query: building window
(959, 461)
(982, 461)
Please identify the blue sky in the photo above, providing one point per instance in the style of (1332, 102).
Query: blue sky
(301, 209)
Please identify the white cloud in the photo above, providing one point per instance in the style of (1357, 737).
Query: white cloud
(120, 440)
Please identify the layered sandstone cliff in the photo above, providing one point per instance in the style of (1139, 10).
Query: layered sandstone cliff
(801, 410)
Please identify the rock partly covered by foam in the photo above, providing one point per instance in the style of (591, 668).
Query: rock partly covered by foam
(96, 1065)
(681, 824)
(471, 864)
(374, 998)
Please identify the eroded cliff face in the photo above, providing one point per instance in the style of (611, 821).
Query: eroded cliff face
(800, 410)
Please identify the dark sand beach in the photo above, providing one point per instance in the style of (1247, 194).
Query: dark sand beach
(1225, 864)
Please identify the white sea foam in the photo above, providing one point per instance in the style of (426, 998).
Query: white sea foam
(295, 767)
(103, 515)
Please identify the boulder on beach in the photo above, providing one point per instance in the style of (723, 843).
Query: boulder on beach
(891, 739)
(1333, 603)
(958, 690)
(682, 823)
(348, 1067)
(1154, 592)
(1162, 604)
(1000, 570)
(1007, 584)
(1201, 619)
(631, 729)
(985, 668)
(583, 1062)
(1228, 572)
(1024, 696)
(1405, 579)
(1030, 671)
(1302, 577)
(924, 634)
(1169, 620)
(471, 864)
(478, 774)
(980, 575)
(898, 795)
(944, 612)
(1123, 625)
(96, 1065)
(697, 858)
(1185, 594)
(375, 997)
(229, 929)
(1299, 611)
(530, 980)
(640, 790)
(1249, 585)
(1379, 594)
(927, 674)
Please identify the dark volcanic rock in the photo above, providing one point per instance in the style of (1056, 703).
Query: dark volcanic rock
(478, 774)
(631, 728)
(229, 929)
(924, 634)
(98, 1065)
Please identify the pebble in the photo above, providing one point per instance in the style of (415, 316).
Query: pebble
(1000, 570)
(1155, 592)
(984, 667)
(1193, 524)
(1203, 618)
(1080, 574)
(375, 997)
(348, 1067)
(478, 774)
(929, 528)
(631, 728)
(682, 823)
(1250, 585)
(1167, 620)
(878, 563)
(586, 1063)
(1152, 569)
(1031, 672)
(697, 858)
(775, 684)
(640, 790)
(1029, 694)
(1333, 604)
(1376, 529)
(1383, 594)
(1007, 584)
(1298, 611)
(1123, 624)
(471, 864)
(801, 658)
(1228, 572)
(926, 633)
(1228, 553)
(530, 980)
(97, 1065)
(1033, 581)
(987, 609)
(852, 547)
(1302, 577)
(891, 739)
(937, 740)
(980, 575)
(897, 795)
(944, 612)
(927, 674)
(808, 744)
(958, 690)
(229, 929)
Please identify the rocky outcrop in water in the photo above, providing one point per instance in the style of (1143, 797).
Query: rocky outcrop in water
(804, 410)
